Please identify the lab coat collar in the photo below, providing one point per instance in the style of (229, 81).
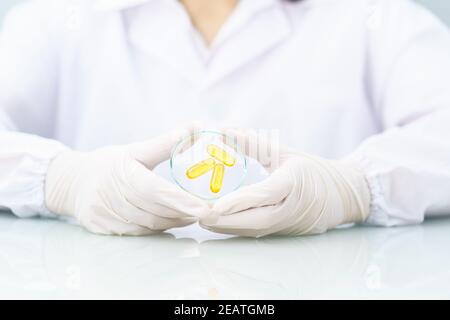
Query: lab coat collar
(124, 4)
(163, 29)
(255, 29)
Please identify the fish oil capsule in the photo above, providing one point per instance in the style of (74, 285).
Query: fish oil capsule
(200, 168)
(217, 178)
(221, 155)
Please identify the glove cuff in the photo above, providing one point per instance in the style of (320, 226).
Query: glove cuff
(355, 192)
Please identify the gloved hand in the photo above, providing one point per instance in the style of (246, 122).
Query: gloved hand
(304, 194)
(113, 190)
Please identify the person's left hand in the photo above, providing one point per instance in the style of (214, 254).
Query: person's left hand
(303, 195)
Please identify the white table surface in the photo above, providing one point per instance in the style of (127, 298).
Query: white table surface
(50, 259)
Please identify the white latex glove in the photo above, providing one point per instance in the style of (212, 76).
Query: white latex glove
(303, 195)
(113, 190)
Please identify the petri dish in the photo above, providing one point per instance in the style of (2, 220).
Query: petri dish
(208, 164)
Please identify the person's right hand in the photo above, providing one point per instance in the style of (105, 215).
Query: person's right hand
(114, 191)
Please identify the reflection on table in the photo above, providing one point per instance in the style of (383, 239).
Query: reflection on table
(51, 259)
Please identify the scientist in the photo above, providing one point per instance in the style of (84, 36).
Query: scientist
(359, 91)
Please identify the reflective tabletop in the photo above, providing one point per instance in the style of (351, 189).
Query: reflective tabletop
(42, 259)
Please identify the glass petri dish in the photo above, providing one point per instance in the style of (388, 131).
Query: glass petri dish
(208, 164)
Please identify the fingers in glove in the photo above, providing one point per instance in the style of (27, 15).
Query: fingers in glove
(262, 146)
(151, 153)
(270, 191)
(123, 209)
(154, 194)
(255, 222)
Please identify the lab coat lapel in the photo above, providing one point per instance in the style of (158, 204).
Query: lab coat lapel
(163, 30)
(257, 29)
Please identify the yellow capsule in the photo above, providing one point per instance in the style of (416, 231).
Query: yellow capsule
(221, 155)
(217, 178)
(200, 168)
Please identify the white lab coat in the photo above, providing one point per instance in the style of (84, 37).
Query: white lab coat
(364, 79)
